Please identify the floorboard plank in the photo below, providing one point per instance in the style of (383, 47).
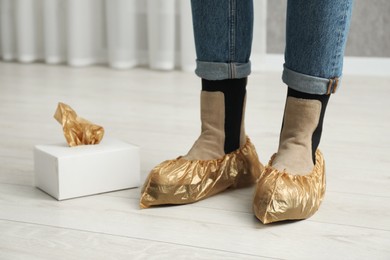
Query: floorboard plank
(30, 241)
(237, 232)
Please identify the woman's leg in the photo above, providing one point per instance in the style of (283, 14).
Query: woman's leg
(223, 39)
(222, 156)
(293, 185)
(315, 42)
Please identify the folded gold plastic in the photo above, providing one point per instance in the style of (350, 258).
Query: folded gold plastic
(77, 130)
(183, 181)
(281, 196)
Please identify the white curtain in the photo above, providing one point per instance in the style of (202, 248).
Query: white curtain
(120, 33)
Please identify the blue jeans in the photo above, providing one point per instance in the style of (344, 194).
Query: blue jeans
(316, 35)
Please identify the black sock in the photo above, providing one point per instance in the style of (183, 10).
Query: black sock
(234, 91)
(315, 140)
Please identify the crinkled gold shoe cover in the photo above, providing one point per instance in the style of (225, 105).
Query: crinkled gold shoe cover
(282, 196)
(183, 181)
(77, 130)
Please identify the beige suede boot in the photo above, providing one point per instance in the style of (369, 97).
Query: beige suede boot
(301, 117)
(211, 142)
(222, 157)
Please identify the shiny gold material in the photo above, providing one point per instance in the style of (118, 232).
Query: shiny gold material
(77, 130)
(282, 196)
(182, 181)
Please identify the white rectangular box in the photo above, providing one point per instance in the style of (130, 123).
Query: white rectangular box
(67, 172)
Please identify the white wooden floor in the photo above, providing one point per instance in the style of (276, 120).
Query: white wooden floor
(159, 112)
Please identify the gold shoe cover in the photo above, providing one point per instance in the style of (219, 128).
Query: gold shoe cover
(182, 181)
(282, 196)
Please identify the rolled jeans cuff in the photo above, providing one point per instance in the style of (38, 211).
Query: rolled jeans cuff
(220, 70)
(310, 84)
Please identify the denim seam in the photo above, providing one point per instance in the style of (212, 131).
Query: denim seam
(232, 30)
(338, 48)
(232, 37)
